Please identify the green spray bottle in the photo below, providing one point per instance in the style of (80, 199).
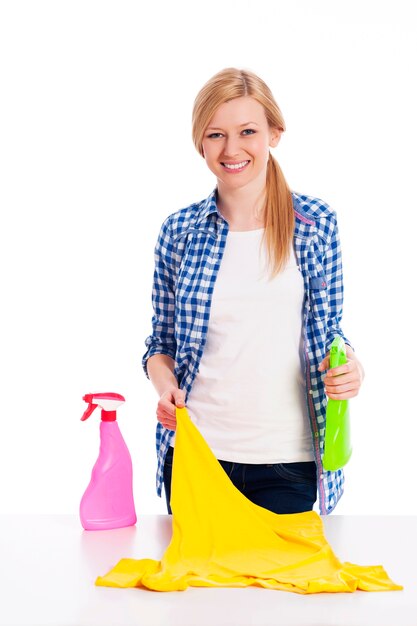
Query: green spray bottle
(337, 445)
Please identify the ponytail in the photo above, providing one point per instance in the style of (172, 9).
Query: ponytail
(279, 218)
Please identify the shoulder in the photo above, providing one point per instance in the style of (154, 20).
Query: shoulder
(314, 207)
(315, 211)
(172, 238)
(183, 219)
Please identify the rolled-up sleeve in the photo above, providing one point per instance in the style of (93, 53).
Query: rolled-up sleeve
(334, 274)
(162, 339)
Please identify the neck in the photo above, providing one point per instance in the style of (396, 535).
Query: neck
(242, 208)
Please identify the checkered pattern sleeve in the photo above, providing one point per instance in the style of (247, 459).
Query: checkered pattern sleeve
(162, 339)
(332, 263)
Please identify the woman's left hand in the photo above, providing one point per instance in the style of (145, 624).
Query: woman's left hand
(343, 382)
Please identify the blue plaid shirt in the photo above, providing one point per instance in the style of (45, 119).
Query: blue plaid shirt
(188, 254)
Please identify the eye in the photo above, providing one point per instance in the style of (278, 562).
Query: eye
(213, 135)
(249, 130)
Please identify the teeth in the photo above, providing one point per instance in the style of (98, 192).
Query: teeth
(238, 166)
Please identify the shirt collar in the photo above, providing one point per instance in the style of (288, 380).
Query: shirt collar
(304, 224)
(209, 206)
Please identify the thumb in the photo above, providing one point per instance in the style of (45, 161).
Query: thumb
(179, 398)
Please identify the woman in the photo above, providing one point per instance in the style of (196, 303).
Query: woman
(247, 299)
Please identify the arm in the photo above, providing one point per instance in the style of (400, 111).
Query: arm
(159, 360)
(341, 382)
(162, 339)
(161, 374)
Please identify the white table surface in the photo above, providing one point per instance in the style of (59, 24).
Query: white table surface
(48, 565)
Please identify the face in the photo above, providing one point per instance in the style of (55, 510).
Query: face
(236, 143)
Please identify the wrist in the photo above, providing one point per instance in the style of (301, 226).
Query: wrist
(168, 390)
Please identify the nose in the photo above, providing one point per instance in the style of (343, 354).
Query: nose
(231, 147)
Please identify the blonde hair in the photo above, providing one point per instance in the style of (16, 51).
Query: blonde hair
(233, 83)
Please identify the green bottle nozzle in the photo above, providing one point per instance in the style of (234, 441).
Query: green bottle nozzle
(337, 444)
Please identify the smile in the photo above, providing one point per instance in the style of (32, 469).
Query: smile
(235, 167)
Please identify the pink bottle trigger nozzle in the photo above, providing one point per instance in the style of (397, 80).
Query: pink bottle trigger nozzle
(108, 402)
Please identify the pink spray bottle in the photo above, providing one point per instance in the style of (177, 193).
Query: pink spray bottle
(108, 500)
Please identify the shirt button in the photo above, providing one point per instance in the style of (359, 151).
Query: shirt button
(316, 434)
(310, 391)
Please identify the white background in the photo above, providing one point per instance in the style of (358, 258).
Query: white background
(96, 151)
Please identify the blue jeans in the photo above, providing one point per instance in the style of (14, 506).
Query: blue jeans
(279, 487)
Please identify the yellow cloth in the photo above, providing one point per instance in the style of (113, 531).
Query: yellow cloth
(221, 539)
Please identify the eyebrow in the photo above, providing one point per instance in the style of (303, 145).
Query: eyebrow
(245, 124)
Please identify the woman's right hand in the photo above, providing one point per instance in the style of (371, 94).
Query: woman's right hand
(166, 409)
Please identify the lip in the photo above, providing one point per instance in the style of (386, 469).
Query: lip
(229, 171)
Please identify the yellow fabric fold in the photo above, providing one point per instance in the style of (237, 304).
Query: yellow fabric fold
(221, 539)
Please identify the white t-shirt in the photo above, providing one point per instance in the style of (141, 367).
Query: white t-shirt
(248, 398)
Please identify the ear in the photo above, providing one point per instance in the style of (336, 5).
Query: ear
(275, 136)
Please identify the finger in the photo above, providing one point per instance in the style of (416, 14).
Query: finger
(340, 369)
(351, 365)
(167, 422)
(325, 364)
(172, 426)
(341, 379)
(166, 405)
(343, 396)
(166, 415)
(341, 382)
(342, 389)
